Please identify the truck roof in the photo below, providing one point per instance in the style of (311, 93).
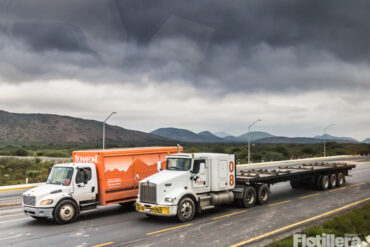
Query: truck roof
(133, 150)
(200, 155)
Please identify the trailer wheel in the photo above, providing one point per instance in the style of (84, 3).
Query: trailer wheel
(317, 182)
(340, 179)
(263, 194)
(186, 209)
(324, 182)
(65, 212)
(332, 181)
(249, 197)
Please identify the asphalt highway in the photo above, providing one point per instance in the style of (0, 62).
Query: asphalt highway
(224, 226)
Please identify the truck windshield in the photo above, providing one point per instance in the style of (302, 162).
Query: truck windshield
(60, 176)
(178, 164)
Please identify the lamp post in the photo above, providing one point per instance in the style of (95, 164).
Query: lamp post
(249, 140)
(104, 127)
(327, 127)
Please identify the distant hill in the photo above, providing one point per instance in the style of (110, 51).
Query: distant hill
(210, 137)
(222, 134)
(339, 139)
(367, 140)
(184, 135)
(55, 129)
(283, 140)
(255, 135)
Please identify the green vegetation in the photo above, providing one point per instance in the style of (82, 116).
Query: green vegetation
(259, 152)
(355, 221)
(15, 171)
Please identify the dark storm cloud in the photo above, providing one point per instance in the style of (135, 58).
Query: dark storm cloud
(224, 45)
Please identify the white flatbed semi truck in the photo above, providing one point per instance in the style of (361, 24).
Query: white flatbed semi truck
(195, 182)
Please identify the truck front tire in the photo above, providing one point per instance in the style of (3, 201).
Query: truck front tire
(65, 212)
(186, 209)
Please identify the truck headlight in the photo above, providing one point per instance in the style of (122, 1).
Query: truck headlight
(168, 199)
(46, 202)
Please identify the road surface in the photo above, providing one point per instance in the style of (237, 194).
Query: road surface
(224, 226)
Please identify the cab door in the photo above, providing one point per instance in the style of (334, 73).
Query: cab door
(200, 176)
(85, 184)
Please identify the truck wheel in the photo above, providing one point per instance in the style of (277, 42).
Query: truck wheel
(65, 212)
(249, 197)
(332, 181)
(38, 218)
(340, 179)
(317, 182)
(186, 209)
(324, 182)
(263, 194)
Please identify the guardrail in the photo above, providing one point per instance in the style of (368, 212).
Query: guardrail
(297, 160)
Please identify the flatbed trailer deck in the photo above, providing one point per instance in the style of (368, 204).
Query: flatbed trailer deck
(287, 173)
(253, 185)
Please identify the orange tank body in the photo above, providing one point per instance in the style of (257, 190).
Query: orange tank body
(120, 170)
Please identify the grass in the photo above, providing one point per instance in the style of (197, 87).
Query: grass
(356, 221)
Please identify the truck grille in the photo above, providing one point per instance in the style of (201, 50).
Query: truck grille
(29, 200)
(148, 192)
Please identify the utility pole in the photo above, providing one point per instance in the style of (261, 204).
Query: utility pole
(327, 127)
(104, 127)
(249, 140)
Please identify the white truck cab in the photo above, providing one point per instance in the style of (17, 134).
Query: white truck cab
(69, 188)
(190, 183)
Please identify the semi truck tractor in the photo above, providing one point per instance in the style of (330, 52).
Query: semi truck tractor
(195, 182)
(95, 177)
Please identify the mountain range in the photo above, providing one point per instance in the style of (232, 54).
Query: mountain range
(55, 129)
(16, 128)
(184, 135)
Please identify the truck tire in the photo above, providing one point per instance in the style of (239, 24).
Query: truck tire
(324, 182)
(340, 179)
(65, 212)
(249, 197)
(332, 181)
(263, 194)
(317, 182)
(186, 209)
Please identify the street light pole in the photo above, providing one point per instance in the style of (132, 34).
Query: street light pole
(327, 127)
(249, 140)
(104, 127)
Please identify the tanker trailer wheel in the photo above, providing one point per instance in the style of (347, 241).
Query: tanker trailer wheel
(263, 194)
(340, 179)
(332, 181)
(249, 197)
(186, 209)
(65, 212)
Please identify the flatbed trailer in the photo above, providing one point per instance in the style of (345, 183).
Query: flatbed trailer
(253, 185)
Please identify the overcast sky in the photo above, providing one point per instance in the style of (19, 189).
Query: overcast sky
(202, 65)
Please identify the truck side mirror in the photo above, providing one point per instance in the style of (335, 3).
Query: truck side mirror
(159, 166)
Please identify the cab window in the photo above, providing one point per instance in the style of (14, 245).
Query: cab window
(83, 175)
